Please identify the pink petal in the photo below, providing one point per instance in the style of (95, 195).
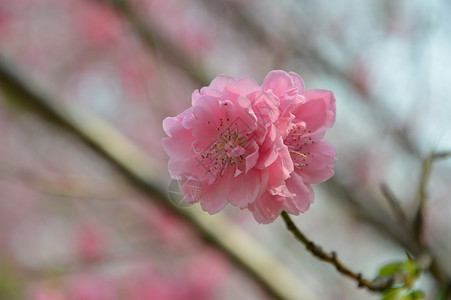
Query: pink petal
(191, 187)
(179, 146)
(303, 194)
(297, 80)
(245, 117)
(242, 87)
(265, 106)
(318, 112)
(320, 166)
(220, 82)
(189, 166)
(266, 208)
(171, 124)
(205, 120)
(195, 96)
(251, 159)
(267, 152)
(244, 189)
(278, 82)
(277, 174)
(213, 197)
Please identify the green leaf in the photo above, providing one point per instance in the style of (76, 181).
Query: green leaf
(392, 294)
(391, 269)
(417, 295)
(10, 284)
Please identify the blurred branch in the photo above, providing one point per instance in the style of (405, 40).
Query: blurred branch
(374, 214)
(379, 284)
(59, 185)
(136, 168)
(443, 154)
(394, 204)
(155, 40)
(421, 196)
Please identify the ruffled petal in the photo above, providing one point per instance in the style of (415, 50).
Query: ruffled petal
(318, 112)
(213, 198)
(266, 106)
(244, 189)
(191, 188)
(220, 82)
(195, 96)
(251, 159)
(304, 195)
(297, 80)
(268, 153)
(190, 166)
(266, 208)
(242, 87)
(179, 146)
(320, 160)
(174, 124)
(278, 82)
(205, 121)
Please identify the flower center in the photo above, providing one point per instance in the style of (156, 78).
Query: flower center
(296, 141)
(226, 151)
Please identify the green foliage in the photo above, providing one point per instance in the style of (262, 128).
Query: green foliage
(417, 295)
(10, 284)
(391, 269)
(403, 294)
(405, 273)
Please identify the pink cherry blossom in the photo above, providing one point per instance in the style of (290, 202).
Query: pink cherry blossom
(227, 141)
(90, 243)
(305, 115)
(259, 148)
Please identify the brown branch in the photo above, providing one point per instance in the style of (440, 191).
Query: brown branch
(394, 204)
(379, 284)
(421, 197)
(155, 40)
(442, 154)
(372, 213)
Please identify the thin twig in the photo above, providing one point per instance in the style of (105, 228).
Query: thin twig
(442, 154)
(376, 215)
(421, 197)
(394, 203)
(379, 284)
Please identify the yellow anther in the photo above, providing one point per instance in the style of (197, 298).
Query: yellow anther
(301, 154)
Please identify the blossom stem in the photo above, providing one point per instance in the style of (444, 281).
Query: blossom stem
(379, 284)
(394, 204)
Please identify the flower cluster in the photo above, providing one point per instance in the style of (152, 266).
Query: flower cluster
(255, 147)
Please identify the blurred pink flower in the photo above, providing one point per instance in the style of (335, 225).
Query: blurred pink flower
(98, 23)
(255, 147)
(227, 142)
(199, 278)
(304, 118)
(90, 243)
(90, 287)
(44, 292)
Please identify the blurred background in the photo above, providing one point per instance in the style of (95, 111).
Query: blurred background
(72, 229)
